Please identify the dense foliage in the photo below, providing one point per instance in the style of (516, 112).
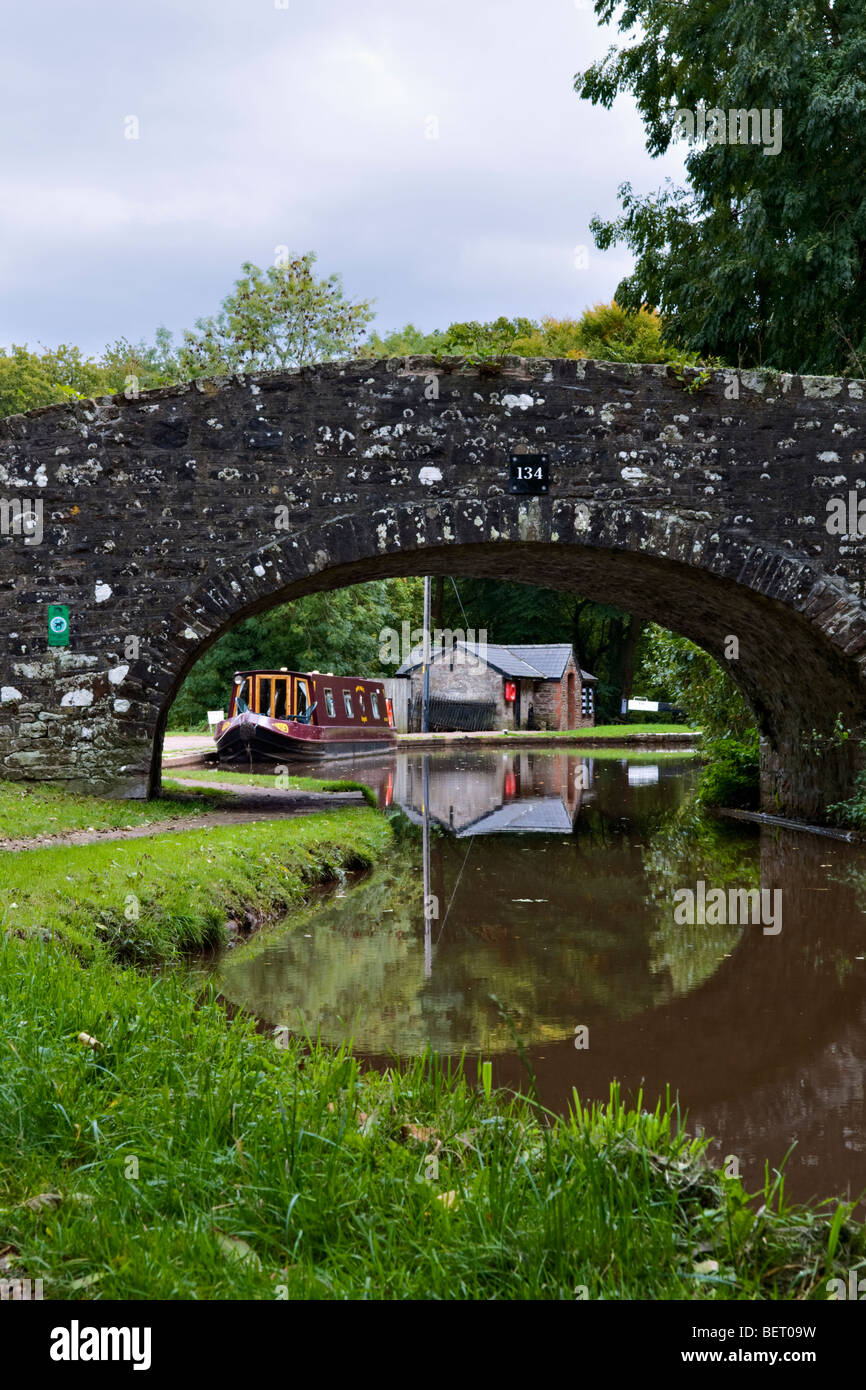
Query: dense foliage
(762, 257)
(731, 776)
(607, 332)
(673, 668)
(282, 316)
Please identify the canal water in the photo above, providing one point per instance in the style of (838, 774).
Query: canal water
(534, 912)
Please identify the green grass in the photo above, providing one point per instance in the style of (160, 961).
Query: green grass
(27, 810)
(624, 730)
(175, 1153)
(631, 754)
(267, 779)
(149, 900)
(612, 731)
(189, 1157)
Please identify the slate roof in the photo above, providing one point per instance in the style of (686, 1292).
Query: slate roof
(534, 661)
(545, 814)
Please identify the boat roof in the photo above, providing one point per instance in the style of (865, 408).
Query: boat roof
(286, 671)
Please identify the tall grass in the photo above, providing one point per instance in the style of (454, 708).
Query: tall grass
(186, 1156)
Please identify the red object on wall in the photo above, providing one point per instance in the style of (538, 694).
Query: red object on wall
(510, 691)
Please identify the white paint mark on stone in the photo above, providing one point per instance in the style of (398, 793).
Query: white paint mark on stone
(821, 387)
(828, 456)
(117, 675)
(78, 698)
(259, 570)
(121, 706)
(102, 592)
(428, 476)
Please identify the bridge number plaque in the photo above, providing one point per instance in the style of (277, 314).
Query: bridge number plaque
(58, 625)
(528, 474)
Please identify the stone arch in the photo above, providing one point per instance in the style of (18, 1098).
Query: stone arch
(701, 500)
(792, 622)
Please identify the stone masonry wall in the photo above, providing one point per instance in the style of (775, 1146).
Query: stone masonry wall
(168, 518)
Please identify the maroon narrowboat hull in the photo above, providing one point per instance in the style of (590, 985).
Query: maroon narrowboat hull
(256, 738)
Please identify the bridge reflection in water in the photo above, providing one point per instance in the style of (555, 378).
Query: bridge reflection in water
(549, 889)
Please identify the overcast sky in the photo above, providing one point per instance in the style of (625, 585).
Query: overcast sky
(309, 127)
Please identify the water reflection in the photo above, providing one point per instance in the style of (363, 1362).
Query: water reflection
(510, 792)
(529, 894)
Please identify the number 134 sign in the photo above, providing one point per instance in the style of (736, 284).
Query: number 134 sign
(528, 473)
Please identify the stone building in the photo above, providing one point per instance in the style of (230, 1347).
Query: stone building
(487, 686)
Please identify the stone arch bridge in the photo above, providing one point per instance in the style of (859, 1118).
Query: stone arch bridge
(726, 510)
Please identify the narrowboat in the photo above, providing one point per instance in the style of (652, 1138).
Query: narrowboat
(278, 715)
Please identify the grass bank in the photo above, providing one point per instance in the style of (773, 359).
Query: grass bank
(149, 900)
(153, 1148)
(627, 730)
(268, 779)
(620, 733)
(179, 1155)
(27, 811)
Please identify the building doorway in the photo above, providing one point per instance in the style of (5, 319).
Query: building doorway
(571, 701)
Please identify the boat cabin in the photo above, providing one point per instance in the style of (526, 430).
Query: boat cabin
(310, 698)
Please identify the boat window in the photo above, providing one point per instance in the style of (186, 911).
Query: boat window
(242, 694)
(347, 702)
(280, 700)
(329, 704)
(264, 695)
(302, 698)
(374, 701)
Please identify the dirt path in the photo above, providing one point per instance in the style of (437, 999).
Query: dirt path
(259, 803)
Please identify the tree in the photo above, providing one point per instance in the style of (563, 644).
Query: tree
(507, 612)
(673, 668)
(29, 380)
(141, 366)
(280, 317)
(762, 258)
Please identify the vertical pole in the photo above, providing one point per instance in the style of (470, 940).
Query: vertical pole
(428, 915)
(425, 703)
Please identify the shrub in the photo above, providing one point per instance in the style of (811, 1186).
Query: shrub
(732, 775)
